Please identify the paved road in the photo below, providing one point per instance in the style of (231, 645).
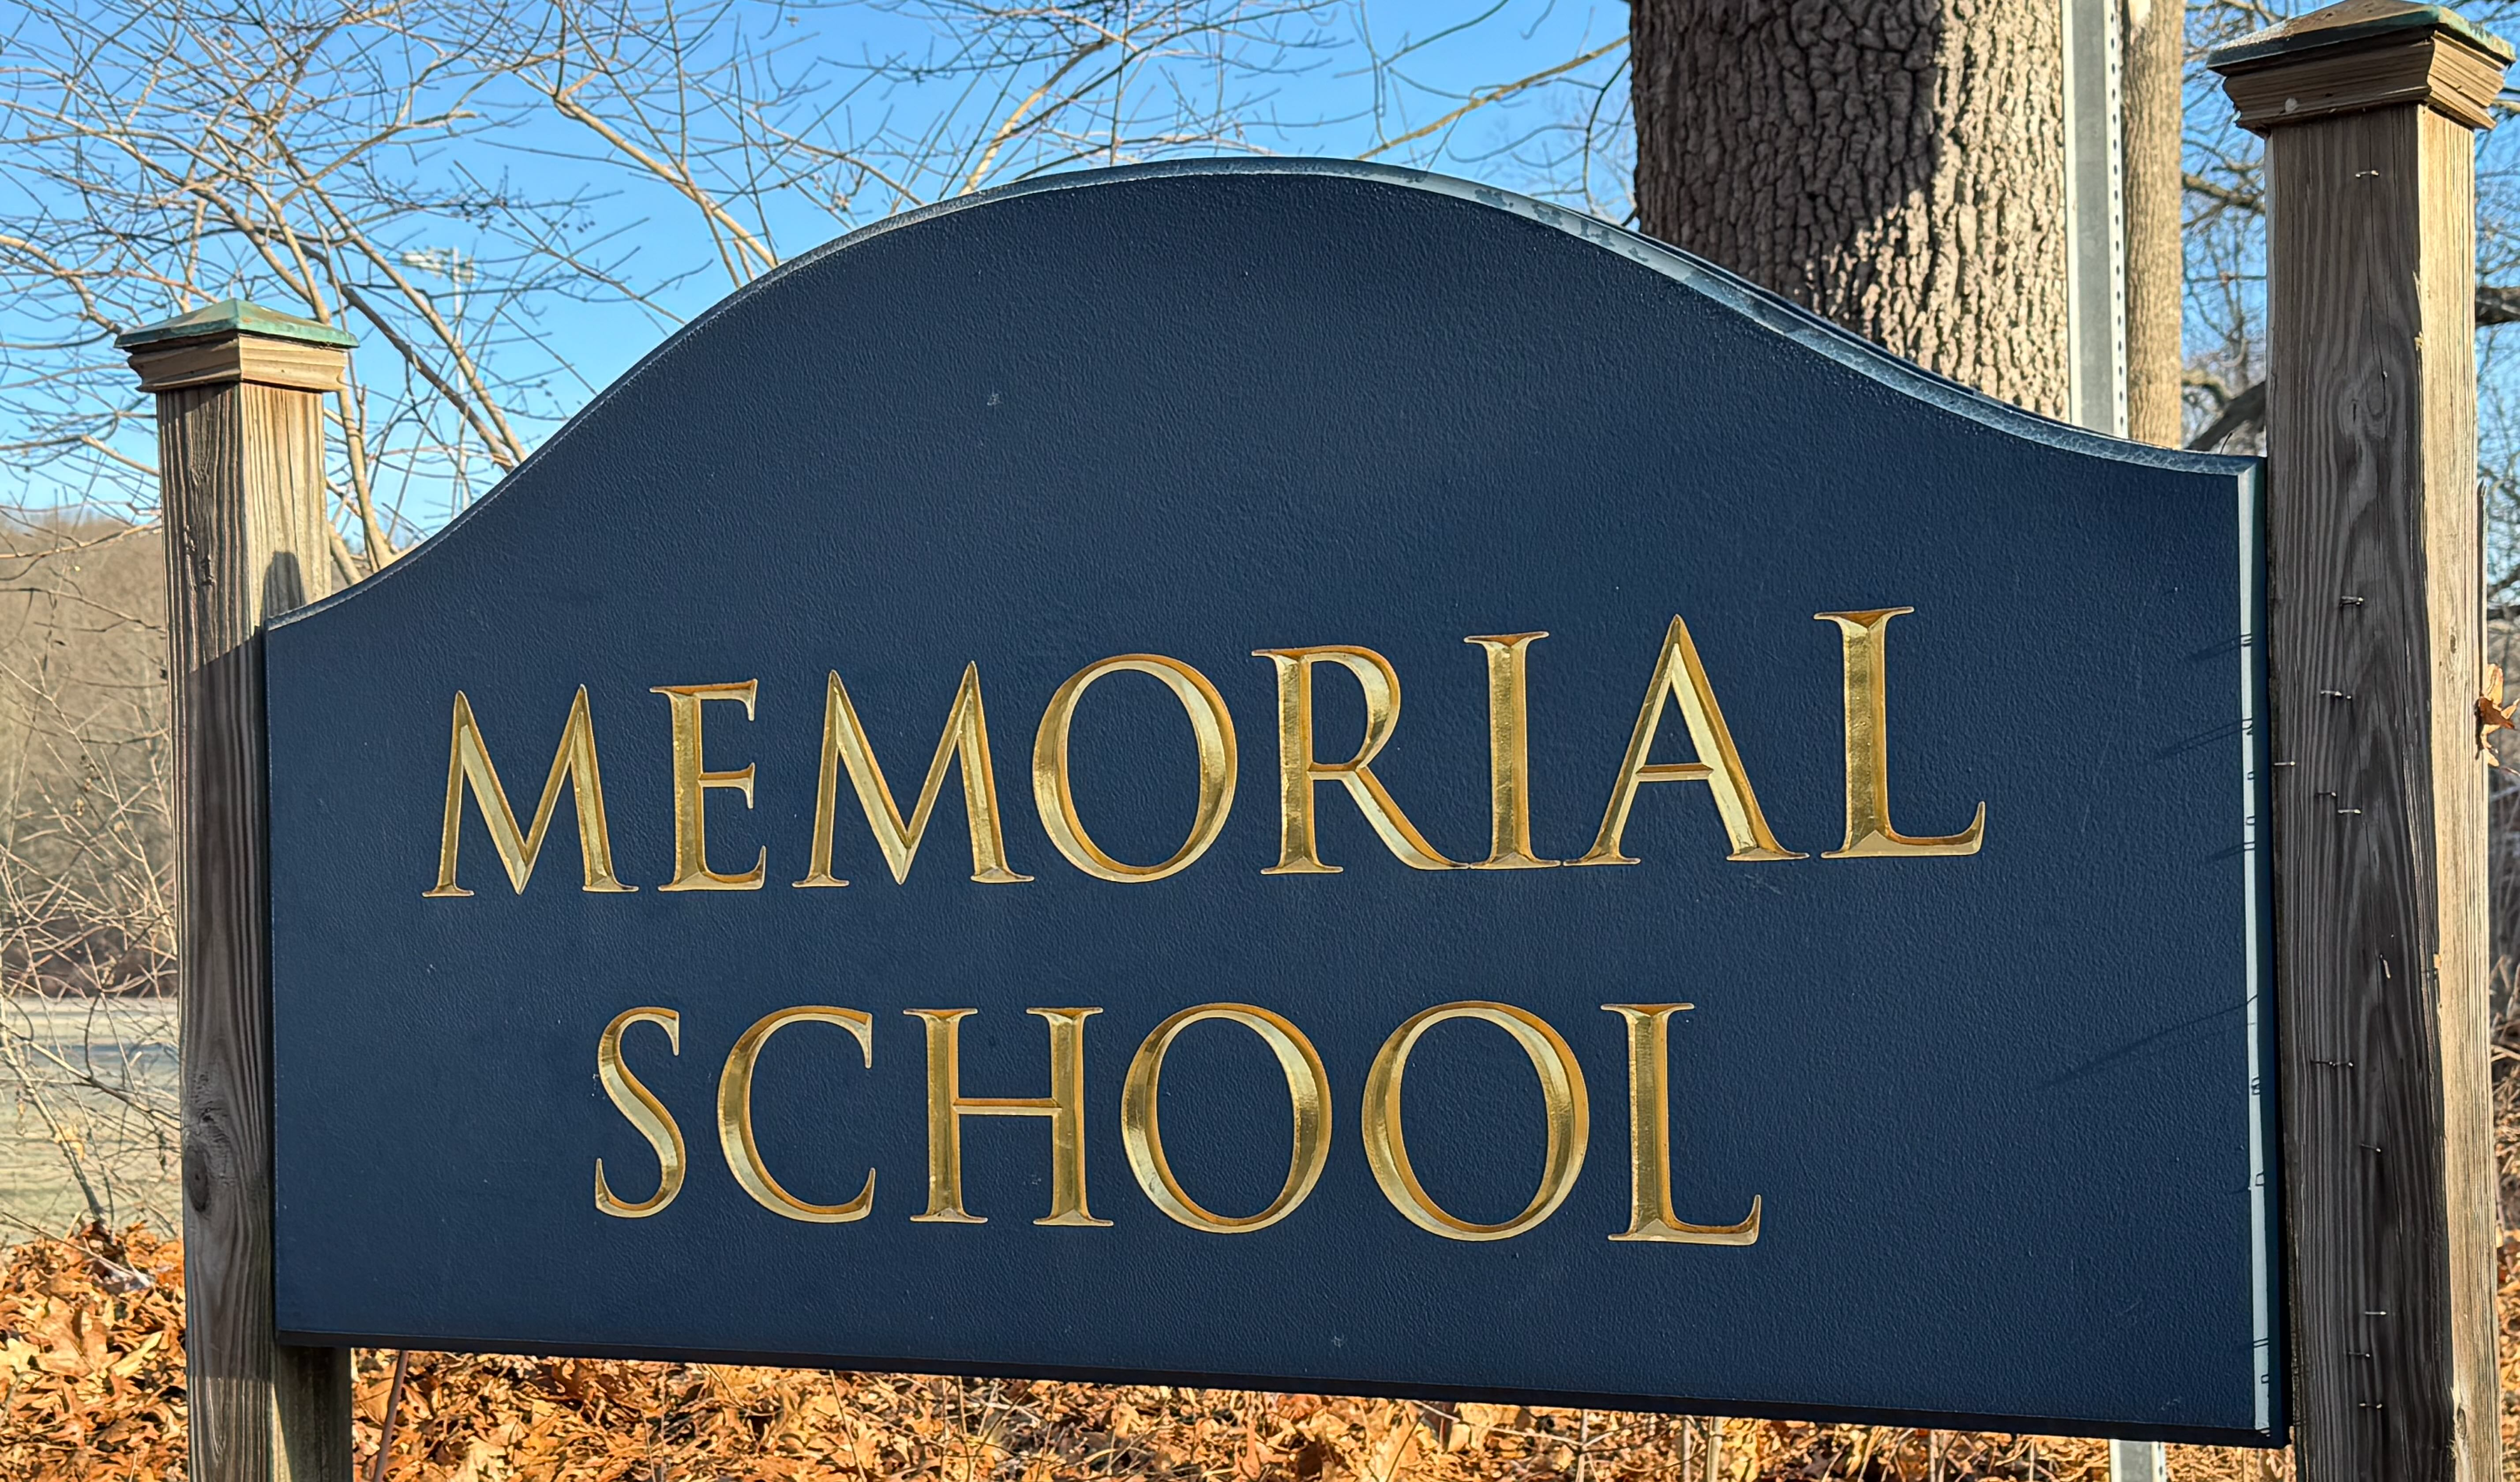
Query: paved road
(87, 1090)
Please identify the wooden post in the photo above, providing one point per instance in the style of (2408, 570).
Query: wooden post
(241, 467)
(2376, 658)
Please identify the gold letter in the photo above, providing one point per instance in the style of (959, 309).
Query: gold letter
(1211, 728)
(1649, 1215)
(947, 1106)
(1561, 1091)
(691, 782)
(735, 1116)
(468, 760)
(1299, 772)
(636, 1102)
(1868, 830)
(1679, 676)
(1509, 755)
(1308, 1088)
(966, 734)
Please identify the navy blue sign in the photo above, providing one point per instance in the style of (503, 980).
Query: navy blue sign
(895, 841)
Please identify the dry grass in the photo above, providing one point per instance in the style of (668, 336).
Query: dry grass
(91, 1390)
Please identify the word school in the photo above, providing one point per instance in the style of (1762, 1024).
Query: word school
(1679, 680)
(1564, 1099)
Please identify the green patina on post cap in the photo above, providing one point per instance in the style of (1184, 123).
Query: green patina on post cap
(2356, 20)
(234, 316)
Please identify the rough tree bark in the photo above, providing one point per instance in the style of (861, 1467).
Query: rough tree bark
(1897, 165)
(2155, 120)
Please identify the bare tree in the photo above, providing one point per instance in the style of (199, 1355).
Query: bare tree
(444, 176)
(85, 931)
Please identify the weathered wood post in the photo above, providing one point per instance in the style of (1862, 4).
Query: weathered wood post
(2376, 660)
(241, 467)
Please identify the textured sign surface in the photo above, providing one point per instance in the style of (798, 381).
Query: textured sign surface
(1963, 1119)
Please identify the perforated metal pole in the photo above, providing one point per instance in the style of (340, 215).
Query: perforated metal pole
(2096, 214)
(2095, 268)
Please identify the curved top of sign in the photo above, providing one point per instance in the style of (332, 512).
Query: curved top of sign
(1770, 311)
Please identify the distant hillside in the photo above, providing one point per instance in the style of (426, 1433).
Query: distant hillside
(84, 899)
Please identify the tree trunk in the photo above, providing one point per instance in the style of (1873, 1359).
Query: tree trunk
(1897, 165)
(2156, 273)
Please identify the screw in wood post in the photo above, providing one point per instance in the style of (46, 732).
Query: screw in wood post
(241, 469)
(2374, 535)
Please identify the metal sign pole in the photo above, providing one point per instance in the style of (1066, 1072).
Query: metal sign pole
(2095, 215)
(2095, 275)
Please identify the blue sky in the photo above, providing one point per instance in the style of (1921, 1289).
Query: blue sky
(1391, 67)
(432, 149)
(556, 260)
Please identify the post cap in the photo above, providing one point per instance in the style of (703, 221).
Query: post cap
(2364, 54)
(232, 342)
(234, 316)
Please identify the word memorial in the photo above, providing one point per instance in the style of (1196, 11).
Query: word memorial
(802, 1055)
